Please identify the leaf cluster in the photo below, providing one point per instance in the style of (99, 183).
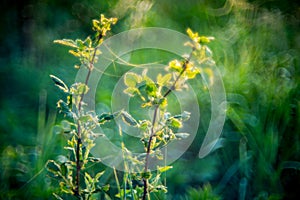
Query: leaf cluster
(163, 127)
(81, 124)
(157, 132)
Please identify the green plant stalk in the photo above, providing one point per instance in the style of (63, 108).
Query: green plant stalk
(152, 133)
(79, 140)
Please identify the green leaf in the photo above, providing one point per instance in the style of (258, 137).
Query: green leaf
(93, 159)
(121, 193)
(145, 124)
(64, 169)
(163, 80)
(66, 42)
(146, 175)
(182, 135)
(191, 74)
(163, 103)
(107, 197)
(131, 79)
(175, 122)
(199, 39)
(127, 118)
(194, 36)
(72, 142)
(184, 116)
(158, 154)
(105, 188)
(96, 24)
(57, 197)
(64, 108)
(59, 83)
(147, 104)
(131, 91)
(87, 179)
(164, 168)
(88, 43)
(75, 53)
(175, 65)
(98, 175)
(53, 167)
(89, 144)
(79, 89)
(205, 40)
(151, 89)
(79, 43)
(208, 52)
(105, 117)
(65, 188)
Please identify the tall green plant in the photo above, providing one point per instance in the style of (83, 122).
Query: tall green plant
(162, 128)
(72, 171)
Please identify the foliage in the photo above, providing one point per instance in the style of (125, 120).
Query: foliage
(257, 52)
(204, 193)
(70, 170)
(22, 167)
(161, 128)
(157, 133)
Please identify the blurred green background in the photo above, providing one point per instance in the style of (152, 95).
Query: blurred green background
(257, 50)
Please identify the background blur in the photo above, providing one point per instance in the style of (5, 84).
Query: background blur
(257, 50)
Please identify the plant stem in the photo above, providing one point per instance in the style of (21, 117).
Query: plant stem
(155, 114)
(79, 131)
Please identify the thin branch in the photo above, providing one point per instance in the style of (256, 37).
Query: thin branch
(79, 141)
